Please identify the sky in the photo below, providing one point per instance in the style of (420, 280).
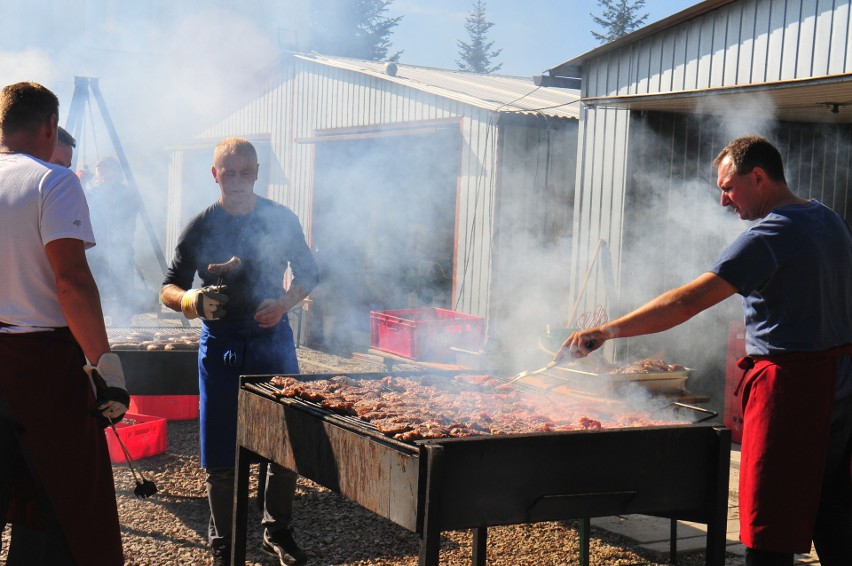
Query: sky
(534, 35)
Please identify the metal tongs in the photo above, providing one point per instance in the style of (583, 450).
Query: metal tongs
(528, 373)
(144, 487)
(550, 366)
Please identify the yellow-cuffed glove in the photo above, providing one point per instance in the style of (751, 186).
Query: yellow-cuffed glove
(205, 303)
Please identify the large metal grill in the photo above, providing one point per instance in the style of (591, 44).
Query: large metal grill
(430, 486)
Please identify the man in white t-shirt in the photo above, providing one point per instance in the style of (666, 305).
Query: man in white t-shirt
(55, 475)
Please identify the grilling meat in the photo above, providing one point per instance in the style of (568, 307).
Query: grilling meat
(464, 405)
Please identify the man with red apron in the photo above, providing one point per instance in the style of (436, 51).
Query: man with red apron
(793, 268)
(56, 484)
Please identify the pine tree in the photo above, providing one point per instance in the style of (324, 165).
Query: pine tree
(353, 28)
(477, 55)
(619, 18)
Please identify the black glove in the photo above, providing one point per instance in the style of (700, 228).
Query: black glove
(111, 394)
(205, 303)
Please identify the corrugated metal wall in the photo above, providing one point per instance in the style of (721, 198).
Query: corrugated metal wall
(676, 229)
(533, 214)
(745, 42)
(639, 174)
(302, 97)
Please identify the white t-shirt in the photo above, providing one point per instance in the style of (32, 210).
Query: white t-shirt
(39, 202)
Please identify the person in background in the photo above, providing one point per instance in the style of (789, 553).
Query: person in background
(244, 331)
(114, 208)
(56, 481)
(63, 154)
(793, 269)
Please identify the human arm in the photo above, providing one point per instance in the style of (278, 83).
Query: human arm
(78, 296)
(271, 311)
(668, 310)
(79, 299)
(171, 295)
(305, 277)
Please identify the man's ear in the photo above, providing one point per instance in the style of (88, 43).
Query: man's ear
(52, 130)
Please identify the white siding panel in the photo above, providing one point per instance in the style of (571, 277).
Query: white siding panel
(839, 34)
(790, 48)
(821, 57)
(692, 52)
(643, 68)
(745, 56)
(705, 53)
(732, 44)
(760, 49)
(720, 43)
(775, 55)
(807, 39)
(668, 50)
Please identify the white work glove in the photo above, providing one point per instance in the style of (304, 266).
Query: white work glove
(112, 398)
(205, 303)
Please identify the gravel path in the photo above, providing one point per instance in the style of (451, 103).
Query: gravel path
(170, 528)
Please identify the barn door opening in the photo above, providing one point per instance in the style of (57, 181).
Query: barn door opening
(383, 230)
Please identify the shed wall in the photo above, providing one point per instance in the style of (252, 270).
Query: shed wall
(744, 42)
(302, 98)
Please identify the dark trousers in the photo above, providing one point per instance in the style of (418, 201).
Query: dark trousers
(29, 546)
(833, 527)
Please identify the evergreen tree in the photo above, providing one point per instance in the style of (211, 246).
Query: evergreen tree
(477, 55)
(352, 28)
(619, 18)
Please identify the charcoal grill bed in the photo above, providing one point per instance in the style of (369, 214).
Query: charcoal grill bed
(429, 486)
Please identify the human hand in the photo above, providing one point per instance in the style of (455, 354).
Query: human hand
(112, 398)
(269, 313)
(581, 343)
(205, 303)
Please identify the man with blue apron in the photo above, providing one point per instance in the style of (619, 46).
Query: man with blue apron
(241, 247)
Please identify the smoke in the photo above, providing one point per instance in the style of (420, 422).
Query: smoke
(739, 115)
(165, 71)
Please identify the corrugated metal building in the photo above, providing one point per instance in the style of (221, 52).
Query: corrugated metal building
(660, 103)
(415, 186)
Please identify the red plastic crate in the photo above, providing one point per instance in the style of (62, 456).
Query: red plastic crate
(425, 334)
(143, 435)
(170, 407)
(733, 412)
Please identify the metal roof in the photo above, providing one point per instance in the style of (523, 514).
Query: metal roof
(497, 93)
(574, 67)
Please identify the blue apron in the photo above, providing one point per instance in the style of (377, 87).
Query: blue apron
(227, 350)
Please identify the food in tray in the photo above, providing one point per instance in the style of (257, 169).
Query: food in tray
(648, 365)
(415, 408)
(152, 340)
(644, 366)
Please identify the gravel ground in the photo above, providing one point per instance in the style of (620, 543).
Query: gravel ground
(170, 527)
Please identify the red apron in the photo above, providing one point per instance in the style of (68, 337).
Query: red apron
(43, 382)
(787, 402)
